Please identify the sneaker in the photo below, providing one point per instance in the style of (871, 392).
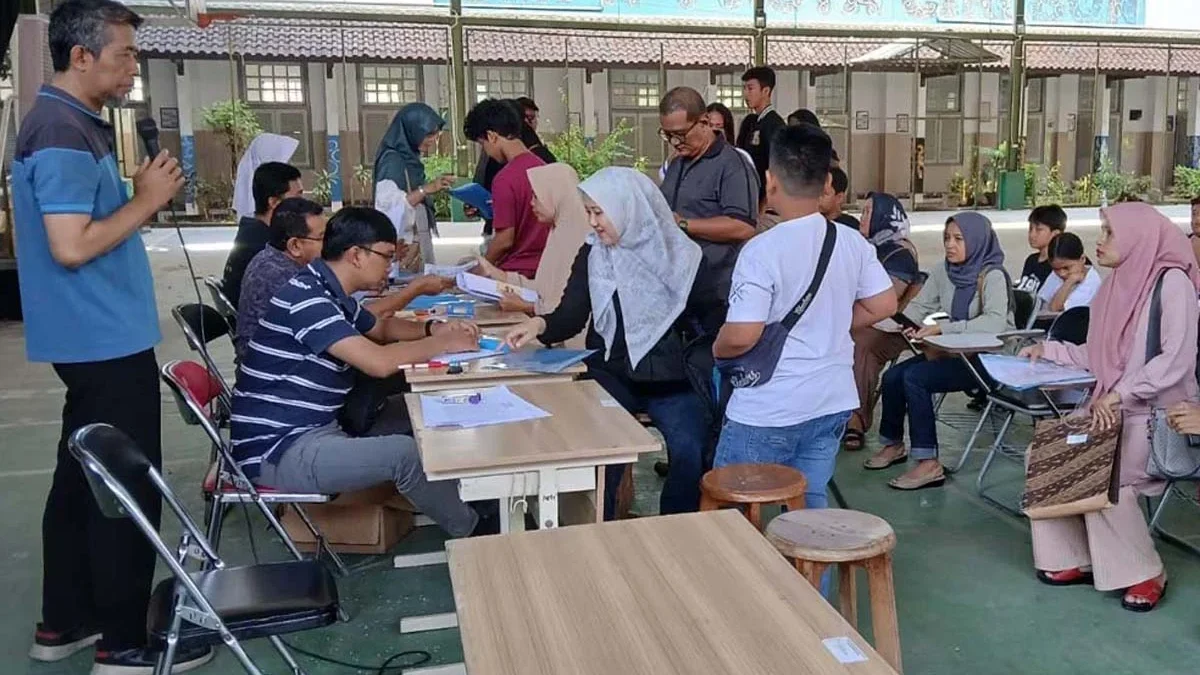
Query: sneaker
(140, 660)
(49, 645)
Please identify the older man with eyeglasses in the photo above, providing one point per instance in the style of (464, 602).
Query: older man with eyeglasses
(710, 187)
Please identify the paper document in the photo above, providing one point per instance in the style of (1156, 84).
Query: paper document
(1020, 373)
(545, 360)
(490, 289)
(488, 346)
(496, 405)
(474, 194)
(449, 271)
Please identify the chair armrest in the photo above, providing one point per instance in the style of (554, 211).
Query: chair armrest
(1021, 334)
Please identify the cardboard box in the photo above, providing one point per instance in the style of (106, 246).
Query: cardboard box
(367, 522)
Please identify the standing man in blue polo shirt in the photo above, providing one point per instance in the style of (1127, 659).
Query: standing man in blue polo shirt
(88, 299)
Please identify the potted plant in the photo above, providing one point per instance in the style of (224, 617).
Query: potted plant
(237, 125)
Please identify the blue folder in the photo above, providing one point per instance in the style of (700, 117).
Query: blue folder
(473, 194)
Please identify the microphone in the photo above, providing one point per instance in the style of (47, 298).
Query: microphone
(147, 128)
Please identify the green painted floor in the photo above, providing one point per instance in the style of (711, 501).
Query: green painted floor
(967, 599)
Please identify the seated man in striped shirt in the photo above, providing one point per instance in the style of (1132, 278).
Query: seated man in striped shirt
(299, 367)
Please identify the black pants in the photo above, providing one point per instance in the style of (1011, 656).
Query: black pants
(97, 571)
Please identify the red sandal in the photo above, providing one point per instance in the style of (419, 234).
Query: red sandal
(1072, 577)
(1152, 591)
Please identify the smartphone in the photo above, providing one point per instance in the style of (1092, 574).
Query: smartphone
(905, 322)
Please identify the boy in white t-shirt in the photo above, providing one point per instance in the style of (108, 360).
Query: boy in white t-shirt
(1074, 282)
(797, 418)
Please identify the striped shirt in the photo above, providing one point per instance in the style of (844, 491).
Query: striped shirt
(287, 383)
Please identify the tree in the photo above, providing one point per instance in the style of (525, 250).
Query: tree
(237, 124)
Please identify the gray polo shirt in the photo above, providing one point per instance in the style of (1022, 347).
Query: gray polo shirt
(718, 183)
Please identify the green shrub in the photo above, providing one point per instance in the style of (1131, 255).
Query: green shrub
(437, 165)
(1187, 183)
(322, 189)
(237, 125)
(587, 156)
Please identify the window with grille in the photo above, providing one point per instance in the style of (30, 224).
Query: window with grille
(943, 121)
(831, 94)
(293, 123)
(1182, 86)
(390, 85)
(1087, 93)
(729, 91)
(500, 82)
(1115, 97)
(1035, 93)
(274, 83)
(634, 89)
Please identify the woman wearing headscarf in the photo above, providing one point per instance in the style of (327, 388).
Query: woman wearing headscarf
(643, 284)
(556, 201)
(975, 290)
(414, 132)
(885, 224)
(1112, 549)
(264, 148)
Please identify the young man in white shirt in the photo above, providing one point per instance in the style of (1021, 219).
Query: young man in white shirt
(797, 418)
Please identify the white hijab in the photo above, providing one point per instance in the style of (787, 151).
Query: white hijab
(264, 148)
(393, 202)
(651, 269)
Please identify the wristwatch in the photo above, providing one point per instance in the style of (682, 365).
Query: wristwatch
(683, 225)
(429, 328)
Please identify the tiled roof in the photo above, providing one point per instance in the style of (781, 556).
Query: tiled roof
(330, 40)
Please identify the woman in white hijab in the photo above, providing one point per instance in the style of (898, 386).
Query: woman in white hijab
(264, 148)
(643, 284)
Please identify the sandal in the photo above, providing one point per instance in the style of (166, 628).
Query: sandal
(853, 440)
(1145, 596)
(909, 483)
(877, 463)
(1072, 577)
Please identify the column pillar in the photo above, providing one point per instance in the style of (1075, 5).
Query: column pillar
(187, 138)
(1193, 122)
(333, 144)
(1101, 121)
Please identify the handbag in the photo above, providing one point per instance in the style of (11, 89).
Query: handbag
(757, 366)
(1072, 469)
(1173, 456)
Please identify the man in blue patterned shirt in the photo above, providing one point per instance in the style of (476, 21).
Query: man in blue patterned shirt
(299, 367)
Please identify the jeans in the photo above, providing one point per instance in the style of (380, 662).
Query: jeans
(327, 460)
(682, 419)
(908, 388)
(97, 571)
(809, 447)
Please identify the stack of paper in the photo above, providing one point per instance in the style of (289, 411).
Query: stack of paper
(449, 271)
(488, 346)
(497, 405)
(1020, 373)
(423, 303)
(545, 360)
(490, 289)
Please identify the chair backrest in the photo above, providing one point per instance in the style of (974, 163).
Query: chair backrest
(1023, 309)
(217, 290)
(195, 389)
(192, 318)
(1071, 326)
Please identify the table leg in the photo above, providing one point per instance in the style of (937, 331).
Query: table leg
(600, 471)
(548, 498)
(883, 609)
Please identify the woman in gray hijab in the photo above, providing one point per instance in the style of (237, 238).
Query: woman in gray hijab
(973, 288)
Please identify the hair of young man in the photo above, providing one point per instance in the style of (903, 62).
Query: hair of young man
(527, 104)
(290, 219)
(800, 158)
(1050, 215)
(804, 116)
(841, 182)
(1196, 201)
(1065, 246)
(683, 98)
(85, 23)
(356, 226)
(501, 117)
(763, 75)
(271, 179)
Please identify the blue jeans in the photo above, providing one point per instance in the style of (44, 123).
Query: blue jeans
(682, 419)
(810, 447)
(908, 388)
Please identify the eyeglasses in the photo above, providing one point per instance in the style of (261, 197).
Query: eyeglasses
(385, 256)
(320, 239)
(676, 138)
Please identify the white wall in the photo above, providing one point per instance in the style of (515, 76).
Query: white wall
(209, 82)
(868, 92)
(696, 79)
(549, 89)
(316, 97)
(899, 99)
(160, 87)
(788, 87)
(1138, 95)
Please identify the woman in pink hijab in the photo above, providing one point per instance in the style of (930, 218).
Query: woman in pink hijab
(1112, 549)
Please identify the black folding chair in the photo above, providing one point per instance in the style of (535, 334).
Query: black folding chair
(201, 325)
(217, 290)
(218, 604)
(1024, 309)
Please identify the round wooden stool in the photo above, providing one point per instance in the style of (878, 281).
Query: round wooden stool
(818, 538)
(752, 485)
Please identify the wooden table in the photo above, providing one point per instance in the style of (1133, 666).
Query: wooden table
(566, 452)
(699, 593)
(483, 373)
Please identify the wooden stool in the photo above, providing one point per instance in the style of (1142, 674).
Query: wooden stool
(818, 538)
(752, 485)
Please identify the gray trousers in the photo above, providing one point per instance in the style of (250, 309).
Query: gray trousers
(328, 461)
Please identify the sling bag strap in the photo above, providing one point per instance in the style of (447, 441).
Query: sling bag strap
(801, 307)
